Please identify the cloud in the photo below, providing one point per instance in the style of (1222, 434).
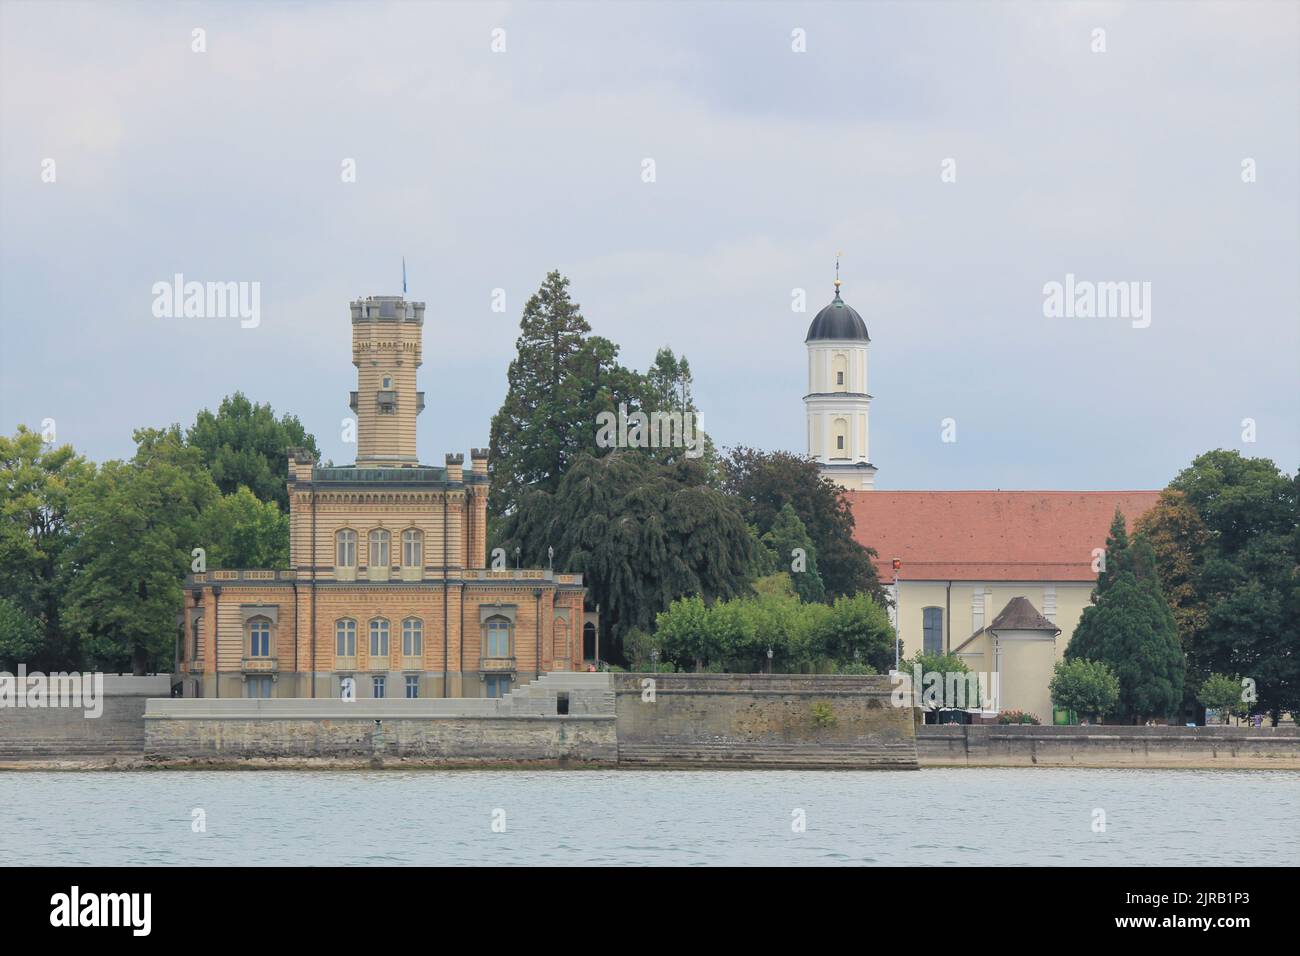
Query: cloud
(486, 170)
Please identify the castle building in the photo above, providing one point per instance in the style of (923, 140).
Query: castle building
(999, 578)
(388, 593)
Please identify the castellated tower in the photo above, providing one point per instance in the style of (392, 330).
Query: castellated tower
(386, 349)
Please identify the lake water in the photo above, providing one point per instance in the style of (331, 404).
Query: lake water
(939, 817)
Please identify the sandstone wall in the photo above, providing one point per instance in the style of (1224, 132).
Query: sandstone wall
(762, 720)
(993, 745)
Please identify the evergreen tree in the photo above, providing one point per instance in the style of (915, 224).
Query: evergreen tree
(1131, 629)
(560, 379)
(1116, 554)
(793, 551)
(765, 482)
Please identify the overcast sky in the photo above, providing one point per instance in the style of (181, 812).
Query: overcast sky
(487, 169)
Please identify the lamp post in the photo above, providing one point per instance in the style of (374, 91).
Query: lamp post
(898, 614)
(516, 559)
(654, 661)
(550, 559)
(769, 660)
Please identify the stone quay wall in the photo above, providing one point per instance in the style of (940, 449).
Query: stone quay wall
(36, 733)
(1102, 745)
(559, 720)
(805, 721)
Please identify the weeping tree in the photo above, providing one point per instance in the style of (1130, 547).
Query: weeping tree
(642, 533)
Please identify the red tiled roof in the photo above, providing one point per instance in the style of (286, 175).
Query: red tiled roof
(990, 535)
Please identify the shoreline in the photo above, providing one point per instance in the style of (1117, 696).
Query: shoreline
(140, 764)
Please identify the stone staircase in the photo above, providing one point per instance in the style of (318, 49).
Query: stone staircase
(588, 694)
(51, 748)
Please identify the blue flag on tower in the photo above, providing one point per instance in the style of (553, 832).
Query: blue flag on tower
(403, 275)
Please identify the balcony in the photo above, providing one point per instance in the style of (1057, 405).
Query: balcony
(196, 667)
(498, 665)
(259, 665)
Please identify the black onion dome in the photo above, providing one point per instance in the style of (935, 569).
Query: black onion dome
(838, 321)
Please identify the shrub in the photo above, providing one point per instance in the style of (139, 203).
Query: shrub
(823, 715)
(1087, 687)
(1017, 717)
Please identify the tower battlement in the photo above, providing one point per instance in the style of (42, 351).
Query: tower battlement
(387, 344)
(387, 308)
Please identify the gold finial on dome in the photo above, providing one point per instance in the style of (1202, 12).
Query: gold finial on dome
(837, 272)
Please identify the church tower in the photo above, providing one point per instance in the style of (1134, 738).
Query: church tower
(386, 347)
(837, 403)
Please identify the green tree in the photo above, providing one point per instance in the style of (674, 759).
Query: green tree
(667, 386)
(857, 630)
(641, 533)
(1088, 688)
(944, 682)
(21, 637)
(245, 444)
(1131, 629)
(1179, 539)
(765, 482)
(136, 523)
(239, 531)
(1227, 542)
(559, 380)
(1223, 693)
(792, 550)
(36, 483)
(1116, 558)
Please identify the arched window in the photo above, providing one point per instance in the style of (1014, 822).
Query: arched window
(589, 641)
(379, 638)
(932, 624)
(412, 548)
(840, 429)
(346, 549)
(379, 548)
(412, 637)
(840, 373)
(345, 637)
(496, 633)
(259, 637)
